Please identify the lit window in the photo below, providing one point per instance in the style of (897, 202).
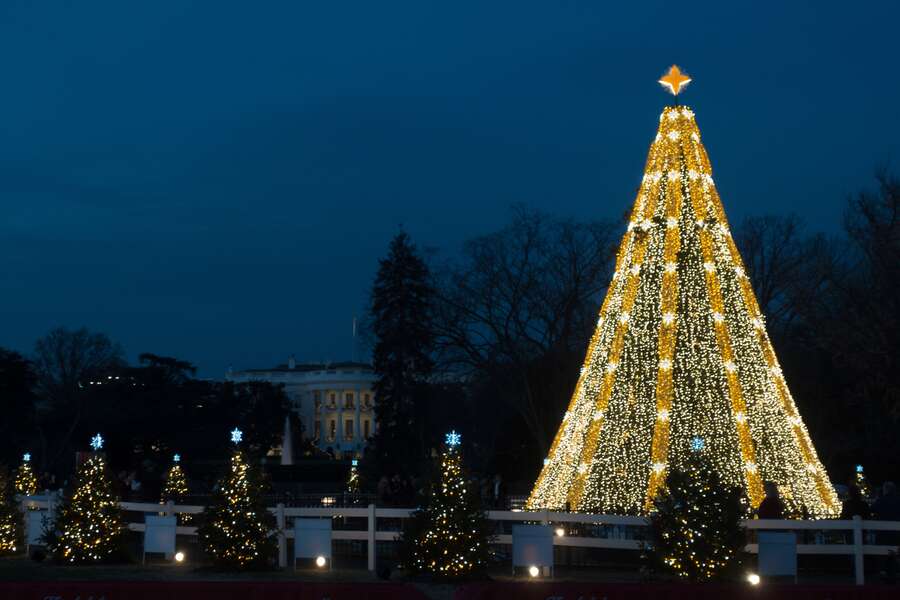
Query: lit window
(348, 400)
(348, 429)
(366, 426)
(318, 429)
(332, 430)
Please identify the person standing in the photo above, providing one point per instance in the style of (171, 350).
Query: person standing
(772, 506)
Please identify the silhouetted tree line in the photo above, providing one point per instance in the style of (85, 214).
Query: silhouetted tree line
(77, 383)
(505, 325)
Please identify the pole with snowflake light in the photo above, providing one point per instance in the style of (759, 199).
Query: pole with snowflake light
(175, 487)
(89, 527)
(236, 530)
(26, 481)
(448, 538)
(10, 516)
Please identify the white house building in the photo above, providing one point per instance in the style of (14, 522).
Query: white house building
(335, 401)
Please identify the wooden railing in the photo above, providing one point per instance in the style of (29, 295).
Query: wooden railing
(573, 529)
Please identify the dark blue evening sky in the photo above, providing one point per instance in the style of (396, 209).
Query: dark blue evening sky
(216, 180)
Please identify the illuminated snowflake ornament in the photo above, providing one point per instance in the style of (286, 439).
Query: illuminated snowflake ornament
(176, 458)
(26, 457)
(236, 436)
(97, 442)
(452, 439)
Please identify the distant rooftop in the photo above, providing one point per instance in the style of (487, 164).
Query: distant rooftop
(306, 367)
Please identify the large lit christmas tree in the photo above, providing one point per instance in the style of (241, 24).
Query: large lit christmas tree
(680, 353)
(448, 538)
(10, 516)
(26, 481)
(89, 527)
(237, 528)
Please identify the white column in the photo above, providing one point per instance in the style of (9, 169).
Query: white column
(357, 440)
(340, 420)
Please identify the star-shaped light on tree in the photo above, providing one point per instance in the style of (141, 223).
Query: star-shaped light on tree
(176, 458)
(97, 442)
(453, 439)
(237, 435)
(26, 457)
(697, 444)
(674, 80)
(859, 468)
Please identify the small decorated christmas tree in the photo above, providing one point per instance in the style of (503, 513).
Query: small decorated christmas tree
(449, 537)
(10, 517)
(89, 526)
(26, 482)
(862, 482)
(236, 530)
(353, 478)
(175, 487)
(695, 528)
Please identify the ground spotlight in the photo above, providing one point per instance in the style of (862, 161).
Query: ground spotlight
(534, 571)
(753, 579)
(179, 557)
(320, 561)
(560, 532)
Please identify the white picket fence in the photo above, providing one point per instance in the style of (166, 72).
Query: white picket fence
(620, 531)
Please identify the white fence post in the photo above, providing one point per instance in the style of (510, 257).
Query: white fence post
(170, 511)
(371, 541)
(858, 562)
(282, 535)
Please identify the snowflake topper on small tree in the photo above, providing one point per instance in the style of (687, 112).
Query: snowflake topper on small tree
(695, 529)
(237, 527)
(449, 538)
(89, 525)
(26, 481)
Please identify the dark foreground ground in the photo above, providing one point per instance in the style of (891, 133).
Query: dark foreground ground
(24, 579)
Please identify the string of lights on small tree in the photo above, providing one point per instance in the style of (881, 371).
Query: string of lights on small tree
(236, 528)
(10, 516)
(89, 526)
(695, 527)
(175, 487)
(26, 480)
(448, 538)
(353, 478)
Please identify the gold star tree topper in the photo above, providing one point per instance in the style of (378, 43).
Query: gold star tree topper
(674, 80)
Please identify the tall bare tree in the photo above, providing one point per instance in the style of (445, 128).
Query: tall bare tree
(65, 361)
(519, 305)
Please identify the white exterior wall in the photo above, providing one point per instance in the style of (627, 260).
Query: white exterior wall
(303, 382)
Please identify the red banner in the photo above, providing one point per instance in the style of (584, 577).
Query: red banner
(205, 590)
(633, 591)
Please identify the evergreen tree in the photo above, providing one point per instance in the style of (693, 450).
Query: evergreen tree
(449, 537)
(353, 478)
(10, 516)
(26, 483)
(401, 301)
(175, 487)
(89, 526)
(236, 530)
(695, 530)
